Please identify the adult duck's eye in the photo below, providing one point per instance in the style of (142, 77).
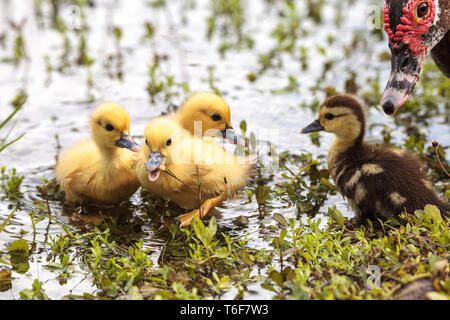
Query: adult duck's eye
(422, 10)
(216, 117)
(329, 116)
(109, 127)
(169, 142)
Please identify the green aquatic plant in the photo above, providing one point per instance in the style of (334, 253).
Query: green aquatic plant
(11, 183)
(35, 293)
(341, 262)
(305, 185)
(19, 47)
(18, 103)
(227, 19)
(162, 84)
(315, 8)
(114, 61)
(288, 29)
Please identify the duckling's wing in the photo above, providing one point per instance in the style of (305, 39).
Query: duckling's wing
(77, 182)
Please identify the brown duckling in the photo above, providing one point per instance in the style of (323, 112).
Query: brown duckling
(414, 28)
(379, 182)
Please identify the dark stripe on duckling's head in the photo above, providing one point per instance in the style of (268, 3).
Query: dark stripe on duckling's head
(344, 116)
(346, 102)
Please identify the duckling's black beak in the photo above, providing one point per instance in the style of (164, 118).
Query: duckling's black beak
(231, 136)
(153, 165)
(313, 127)
(405, 71)
(127, 142)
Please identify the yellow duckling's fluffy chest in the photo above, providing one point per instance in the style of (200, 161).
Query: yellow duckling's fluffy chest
(86, 175)
(200, 168)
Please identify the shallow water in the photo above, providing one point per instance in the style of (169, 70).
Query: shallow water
(63, 106)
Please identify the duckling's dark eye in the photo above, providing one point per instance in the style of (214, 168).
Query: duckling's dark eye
(216, 117)
(146, 142)
(422, 10)
(169, 142)
(329, 116)
(109, 127)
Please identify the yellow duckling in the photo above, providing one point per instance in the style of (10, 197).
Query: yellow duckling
(98, 170)
(180, 167)
(206, 114)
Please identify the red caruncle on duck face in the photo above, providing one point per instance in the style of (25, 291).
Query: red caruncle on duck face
(412, 31)
(418, 17)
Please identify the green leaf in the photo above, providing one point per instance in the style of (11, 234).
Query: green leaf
(262, 194)
(327, 183)
(221, 253)
(253, 141)
(246, 258)
(19, 255)
(55, 265)
(5, 223)
(243, 126)
(212, 226)
(283, 234)
(280, 219)
(432, 260)
(336, 215)
(18, 107)
(433, 212)
(134, 294)
(11, 142)
(419, 213)
(268, 287)
(20, 245)
(202, 233)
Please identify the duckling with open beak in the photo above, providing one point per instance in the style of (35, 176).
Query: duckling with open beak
(196, 174)
(155, 164)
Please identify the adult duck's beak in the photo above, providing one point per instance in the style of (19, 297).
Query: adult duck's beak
(231, 136)
(313, 127)
(127, 142)
(405, 71)
(154, 165)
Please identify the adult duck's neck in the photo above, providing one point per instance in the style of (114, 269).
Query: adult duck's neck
(441, 54)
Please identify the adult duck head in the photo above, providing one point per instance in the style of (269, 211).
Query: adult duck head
(414, 28)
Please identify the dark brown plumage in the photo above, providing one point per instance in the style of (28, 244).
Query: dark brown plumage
(378, 181)
(414, 28)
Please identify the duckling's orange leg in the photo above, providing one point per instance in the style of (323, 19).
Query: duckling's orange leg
(186, 218)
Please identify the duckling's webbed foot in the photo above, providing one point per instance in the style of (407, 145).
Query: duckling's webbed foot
(186, 218)
(205, 208)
